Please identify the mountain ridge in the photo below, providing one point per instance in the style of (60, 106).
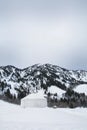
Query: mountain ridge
(20, 82)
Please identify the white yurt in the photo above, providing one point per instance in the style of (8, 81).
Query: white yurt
(34, 100)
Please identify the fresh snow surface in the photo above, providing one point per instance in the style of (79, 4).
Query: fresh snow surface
(54, 89)
(13, 117)
(81, 89)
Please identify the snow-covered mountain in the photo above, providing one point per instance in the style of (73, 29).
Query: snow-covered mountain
(18, 83)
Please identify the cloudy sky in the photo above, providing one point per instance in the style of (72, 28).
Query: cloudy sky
(43, 31)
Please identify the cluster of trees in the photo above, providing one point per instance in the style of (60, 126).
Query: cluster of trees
(75, 99)
(22, 91)
(8, 96)
(3, 85)
(69, 99)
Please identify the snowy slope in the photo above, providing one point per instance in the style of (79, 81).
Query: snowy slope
(13, 117)
(55, 89)
(81, 89)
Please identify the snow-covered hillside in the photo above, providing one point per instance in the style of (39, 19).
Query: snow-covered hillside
(81, 89)
(13, 117)
(56, 90)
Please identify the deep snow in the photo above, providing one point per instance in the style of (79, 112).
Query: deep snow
(13, 117)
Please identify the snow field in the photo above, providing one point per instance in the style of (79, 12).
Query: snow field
(13, 117)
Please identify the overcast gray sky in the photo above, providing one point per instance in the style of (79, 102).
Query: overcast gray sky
(43, 31)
